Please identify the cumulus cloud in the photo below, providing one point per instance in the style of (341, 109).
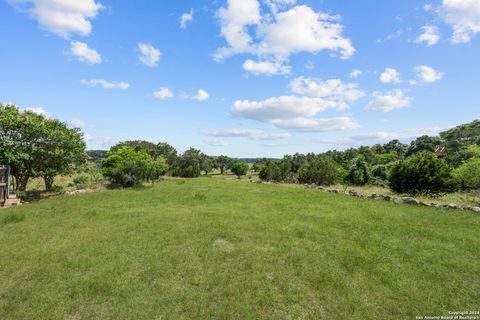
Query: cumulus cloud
(390, 76)
(430, 35)
(279, 34)
(185, 19)
(463, 16)
(40, 111)
(254, 134)
(216, 142)
(105, 84)
(163, 93)
(62, 18)
(428, 74)
(201, 95)
(316, 125)
(355, 73)
(83, 53)
(77, 123)
(332, 89)
(149, 55)
(268, 68)
(389, 101)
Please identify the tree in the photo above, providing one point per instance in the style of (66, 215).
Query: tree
(320, 171)
(126, 167)
(168, 152)
(358, 173)
(207, 163)
(422, 174)
(239, 168)
(189, 164)
(468, 174)
(34, 146)
(156, 168)
(424, 143)
(62, 149)
(139, 146)
(223, 162)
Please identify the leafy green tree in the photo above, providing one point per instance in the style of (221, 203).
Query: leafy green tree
(423, 174)
(468, 174)
(424, 143)
(207, 164)
(397, 148)
(320, 171)
(223, 162)
(139, 146)
(358, 173)
(239, 168)
(156, 168)
(189, 164)
(168, 152)
(126, 167)
(34, 146)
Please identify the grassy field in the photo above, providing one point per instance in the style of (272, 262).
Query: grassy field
(224, 249)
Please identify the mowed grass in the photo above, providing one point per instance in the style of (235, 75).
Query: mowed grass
(224, 249)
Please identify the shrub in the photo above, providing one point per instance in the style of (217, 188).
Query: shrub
(468, 174)
(126, 167)
(319, 171)
(423, 174)
(380, 175)
(189, 164)
(359, 173)
(278, 171)
(82, 181)
(239, 169)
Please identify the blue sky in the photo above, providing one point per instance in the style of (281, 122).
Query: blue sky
(245, 78)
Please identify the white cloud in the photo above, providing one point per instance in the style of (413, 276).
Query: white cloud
(40, 111)
(268, 68)
(427, 7)
(390, 76)
(62, 18)
(216, 142)
(284, 107)
(392, 100)
(430, 35)
(254, 134)
(201, 95)
(276, 5)
(163, 93)
(101, 142)
(76, 123)
(316, 125)
(83, 53)
(428, 74)
(149, 55)
(463, 16)
(280, 34)
(355, 73)
(186, 18)
(332, 89)
(105, 84)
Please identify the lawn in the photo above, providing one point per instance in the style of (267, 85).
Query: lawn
(223, 249)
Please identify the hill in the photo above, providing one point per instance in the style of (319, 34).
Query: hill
(224, 249)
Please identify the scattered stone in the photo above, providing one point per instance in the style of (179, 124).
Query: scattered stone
(374, 196)
(423, 204)
(476, 209)
(409, 200)
(452, 206)
(354, 193)
(74, 192)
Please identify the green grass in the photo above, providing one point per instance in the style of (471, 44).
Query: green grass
(225, 249)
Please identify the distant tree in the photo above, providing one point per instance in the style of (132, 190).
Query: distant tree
(96, 155)
(385, 158)
(156, 168)
(207, 163)
(397, 148)
(424, 143)
(259, 164)
(320, 171)
(139, 146)
(358, 173)
(423, 174)
(239, 168)
(189, 164)
(168, 152)
(223, 162)
(126, 167)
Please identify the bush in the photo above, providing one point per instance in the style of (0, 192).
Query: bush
(468, 174)
(126, 167)
(358, 173)
(82, 181)
(380, 175)
(319, 171)
(189, 164)
(239, 169)
(422, 174)
(278, 171)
